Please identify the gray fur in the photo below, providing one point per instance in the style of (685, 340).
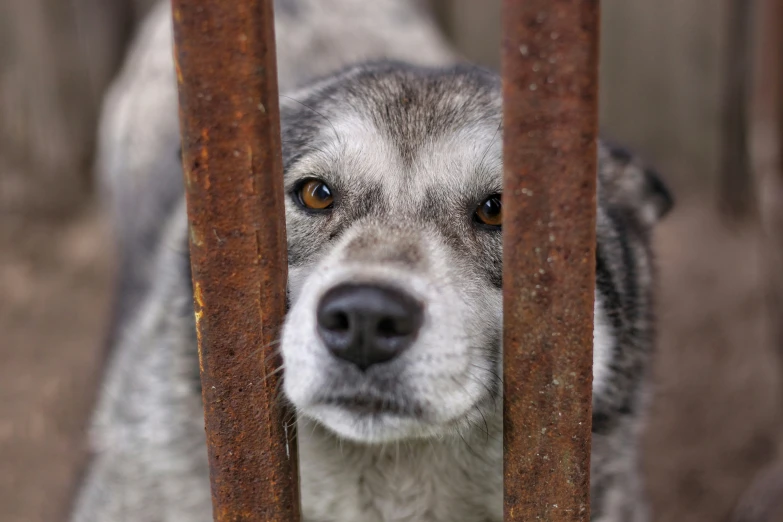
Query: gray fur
(409, 153)
(138, 138)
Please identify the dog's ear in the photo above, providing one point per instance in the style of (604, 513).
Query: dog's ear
(626, 182)
(656, 194)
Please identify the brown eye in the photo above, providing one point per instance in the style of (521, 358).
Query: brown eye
(490, 212)
(315, 195)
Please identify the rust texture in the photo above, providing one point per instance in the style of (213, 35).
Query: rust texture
(550, 93)
(229, 115)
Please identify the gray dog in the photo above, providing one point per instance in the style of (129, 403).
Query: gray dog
(392, 345)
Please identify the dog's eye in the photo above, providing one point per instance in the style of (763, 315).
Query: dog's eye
(315, 195)
(490, 211)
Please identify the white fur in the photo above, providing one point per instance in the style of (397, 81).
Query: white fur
(603, 344)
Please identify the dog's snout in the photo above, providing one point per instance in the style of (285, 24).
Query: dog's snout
(367, 324)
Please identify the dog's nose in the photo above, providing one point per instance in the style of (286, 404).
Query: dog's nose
(366, 324)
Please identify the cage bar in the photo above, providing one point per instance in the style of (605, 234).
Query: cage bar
(550, 118)
(229, 116)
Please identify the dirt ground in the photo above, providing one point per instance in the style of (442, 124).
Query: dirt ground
(713, 424)
(716, 417)
(54, 277)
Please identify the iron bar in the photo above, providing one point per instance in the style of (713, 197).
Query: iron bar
(550, 94)
(735, 183)
(762, 500)
(229, 115)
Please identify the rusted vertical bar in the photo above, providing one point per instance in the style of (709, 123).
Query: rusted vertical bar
(229, 117)
(550, 93)
(762, 501)
(735, 186)
(767, 136)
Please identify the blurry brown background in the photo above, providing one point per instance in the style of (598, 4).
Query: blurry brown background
(674, 85)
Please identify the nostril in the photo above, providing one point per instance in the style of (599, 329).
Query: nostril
(390, 327)
(342, 322)
(337, 322)
(387, 327)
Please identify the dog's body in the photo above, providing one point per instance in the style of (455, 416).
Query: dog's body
(392, 343)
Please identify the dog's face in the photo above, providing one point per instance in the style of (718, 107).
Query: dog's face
(394, 219)
(394, 237)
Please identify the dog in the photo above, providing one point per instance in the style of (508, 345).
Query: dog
(392, 343)
(138, 135)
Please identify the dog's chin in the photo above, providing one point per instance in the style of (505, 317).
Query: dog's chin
(368, 426)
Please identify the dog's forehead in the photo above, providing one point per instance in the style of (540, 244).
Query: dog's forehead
(461, 161)
(407, 131)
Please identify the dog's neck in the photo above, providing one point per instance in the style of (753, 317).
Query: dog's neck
(457, 477)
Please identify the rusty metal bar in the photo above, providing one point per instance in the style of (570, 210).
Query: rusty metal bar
(767, 151)
(229, 115)
(762, 500)
(550, 94)
(735, 184)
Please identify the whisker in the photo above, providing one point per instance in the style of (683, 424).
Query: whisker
(486, 426)
(278, 389)
(272, 373)
(493, 394)
(274, 352)
(491, 142)
(491, 371)
(318, 113)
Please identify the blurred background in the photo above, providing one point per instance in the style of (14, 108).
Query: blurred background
(693, 85)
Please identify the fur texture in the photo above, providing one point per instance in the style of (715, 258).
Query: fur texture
(138, 138)
(409, 152)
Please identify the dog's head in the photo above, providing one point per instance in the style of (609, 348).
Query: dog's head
(393, 177)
